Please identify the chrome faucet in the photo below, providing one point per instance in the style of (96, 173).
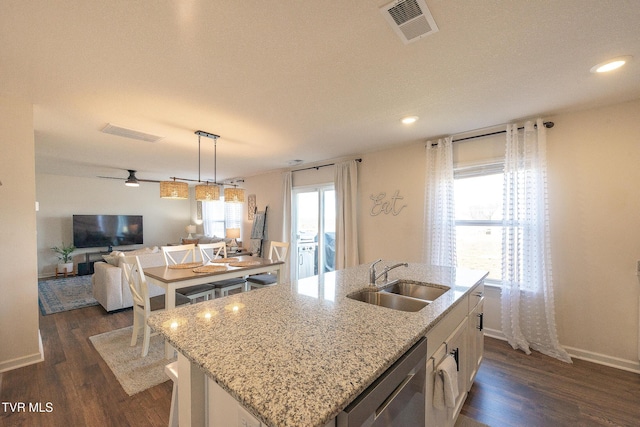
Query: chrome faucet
(372, 273)
(373, 277)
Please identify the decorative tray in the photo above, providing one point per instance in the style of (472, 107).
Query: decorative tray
(185, 266)
(224, 260)
(244, 263)
(210, 269)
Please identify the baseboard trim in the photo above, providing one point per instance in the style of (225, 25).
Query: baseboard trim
(589, 356)
(603, 359)
(494, 333)
(23, 361)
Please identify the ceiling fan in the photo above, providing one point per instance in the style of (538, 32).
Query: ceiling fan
(132, 180)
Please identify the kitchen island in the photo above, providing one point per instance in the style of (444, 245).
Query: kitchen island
(297, 354)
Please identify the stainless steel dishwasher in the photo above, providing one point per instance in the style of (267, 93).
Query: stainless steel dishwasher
(396, 399)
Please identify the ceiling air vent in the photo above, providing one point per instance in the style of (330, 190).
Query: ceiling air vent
(130, 133)
(410, 19)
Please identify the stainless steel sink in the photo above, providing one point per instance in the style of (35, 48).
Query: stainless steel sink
(423, 291)
(389, 300)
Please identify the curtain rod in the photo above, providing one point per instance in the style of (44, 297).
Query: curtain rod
(548, 125)
(321, 166)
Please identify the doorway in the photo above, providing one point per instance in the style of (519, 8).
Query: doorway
(314, 213)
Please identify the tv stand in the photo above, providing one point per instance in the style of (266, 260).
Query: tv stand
(90, 258)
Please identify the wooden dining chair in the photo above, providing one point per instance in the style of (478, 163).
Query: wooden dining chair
(187, 254)
(143, 305)
(211, 251)
(277, 252)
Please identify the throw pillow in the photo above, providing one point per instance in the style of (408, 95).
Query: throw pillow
(110, 259)
(139, 252)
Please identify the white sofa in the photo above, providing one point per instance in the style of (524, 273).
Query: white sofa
(110, 286)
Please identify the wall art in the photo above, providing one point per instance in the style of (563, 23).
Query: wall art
(251, 203)
(199, 210)
(383, 205)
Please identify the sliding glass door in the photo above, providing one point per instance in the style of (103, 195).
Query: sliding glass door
(314, 214)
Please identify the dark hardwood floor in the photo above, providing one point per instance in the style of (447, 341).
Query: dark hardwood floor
(511, 389)
(76, 381)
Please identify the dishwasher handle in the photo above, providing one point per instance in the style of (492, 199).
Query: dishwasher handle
(393, 395)
(406, 376)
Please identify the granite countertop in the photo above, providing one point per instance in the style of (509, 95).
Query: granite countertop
(297, 354)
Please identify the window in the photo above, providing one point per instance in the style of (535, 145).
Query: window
(217, 216)
(478, 200)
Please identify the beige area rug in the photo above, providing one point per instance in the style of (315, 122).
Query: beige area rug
(134, 372)
(464, 421)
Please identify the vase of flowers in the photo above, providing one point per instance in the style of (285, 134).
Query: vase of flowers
(64, 255)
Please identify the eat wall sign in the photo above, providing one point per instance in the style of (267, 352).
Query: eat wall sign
(381, 204)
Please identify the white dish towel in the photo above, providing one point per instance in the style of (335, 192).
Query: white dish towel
(445, 387)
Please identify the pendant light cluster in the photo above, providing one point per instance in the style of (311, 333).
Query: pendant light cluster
(205, 191)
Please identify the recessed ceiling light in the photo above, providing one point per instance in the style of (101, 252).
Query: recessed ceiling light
(295, 162)
(409, 120)
(610, 65)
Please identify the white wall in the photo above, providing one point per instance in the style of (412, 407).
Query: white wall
(594, 211)
(60, 197)
(593, 159)
(381, 236)
(268, 190)
(19, 335)
(594, 204)
(392, 231)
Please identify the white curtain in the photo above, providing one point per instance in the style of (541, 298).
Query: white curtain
(287, 183)
(440, 226)
(528, 316)
(346, 185)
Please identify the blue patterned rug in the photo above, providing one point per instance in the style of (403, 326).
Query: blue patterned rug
(65, 294)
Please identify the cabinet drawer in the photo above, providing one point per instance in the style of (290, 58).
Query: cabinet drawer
(475, 296)
(439, 333)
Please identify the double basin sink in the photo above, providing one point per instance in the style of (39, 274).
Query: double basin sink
(403, 295)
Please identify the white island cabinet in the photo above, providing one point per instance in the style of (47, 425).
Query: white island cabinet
(476, 332)
(460, 335)
(297, 354)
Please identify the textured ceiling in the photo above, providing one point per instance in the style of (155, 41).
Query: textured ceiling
(287, 80)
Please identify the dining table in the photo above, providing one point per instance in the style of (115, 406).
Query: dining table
(173, 277)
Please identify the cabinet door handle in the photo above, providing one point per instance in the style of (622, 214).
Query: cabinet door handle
(481, 325)
(456, 356)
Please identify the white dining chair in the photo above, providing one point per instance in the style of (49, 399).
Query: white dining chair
(179, 254)
(172, 372)
(187, 254)
(277, 252)
(143, 305)
(211, 251)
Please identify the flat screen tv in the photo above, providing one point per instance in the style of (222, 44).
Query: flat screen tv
(93, 231)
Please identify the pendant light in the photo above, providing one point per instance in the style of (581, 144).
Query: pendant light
(207, 192)
(234, 195)
(175, 190)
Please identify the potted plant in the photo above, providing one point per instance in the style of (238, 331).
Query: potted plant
(64, 255)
